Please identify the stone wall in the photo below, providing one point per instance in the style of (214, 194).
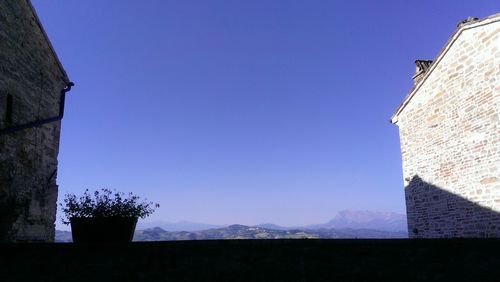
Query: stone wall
(31, 80)
(450, 140)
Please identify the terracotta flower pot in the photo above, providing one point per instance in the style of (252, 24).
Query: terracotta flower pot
(103, 229)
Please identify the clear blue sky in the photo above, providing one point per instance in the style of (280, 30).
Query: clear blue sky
(243, 111)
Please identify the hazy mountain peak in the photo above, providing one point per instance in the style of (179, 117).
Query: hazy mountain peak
(155, 229)
(366, 216)
(366, 219)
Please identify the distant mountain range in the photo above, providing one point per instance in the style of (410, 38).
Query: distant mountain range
(345, 224)
(387, 221)
(177, 226)
(237, 231)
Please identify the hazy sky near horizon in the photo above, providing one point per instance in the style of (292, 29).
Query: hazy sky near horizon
(242, 111)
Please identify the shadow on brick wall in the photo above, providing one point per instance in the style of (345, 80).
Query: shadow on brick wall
(434, 212)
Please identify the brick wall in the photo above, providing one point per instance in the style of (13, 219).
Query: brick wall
(450, 141)
(31, 77)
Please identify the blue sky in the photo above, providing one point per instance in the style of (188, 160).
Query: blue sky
(242, 111)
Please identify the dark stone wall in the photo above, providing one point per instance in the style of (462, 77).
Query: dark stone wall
(32, 79)
(255, 260)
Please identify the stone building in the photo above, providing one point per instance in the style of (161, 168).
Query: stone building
(450, 136)
(32, 89)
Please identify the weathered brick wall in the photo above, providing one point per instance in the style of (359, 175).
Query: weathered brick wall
(450, 141)
(30, 74)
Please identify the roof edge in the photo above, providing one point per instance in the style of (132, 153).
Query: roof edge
(39, 24)
(458, 31)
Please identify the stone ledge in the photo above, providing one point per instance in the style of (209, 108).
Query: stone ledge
(255, 260)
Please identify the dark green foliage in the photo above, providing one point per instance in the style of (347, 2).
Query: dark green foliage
(105, 203)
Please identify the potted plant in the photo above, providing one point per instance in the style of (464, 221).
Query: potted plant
(105, 216)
